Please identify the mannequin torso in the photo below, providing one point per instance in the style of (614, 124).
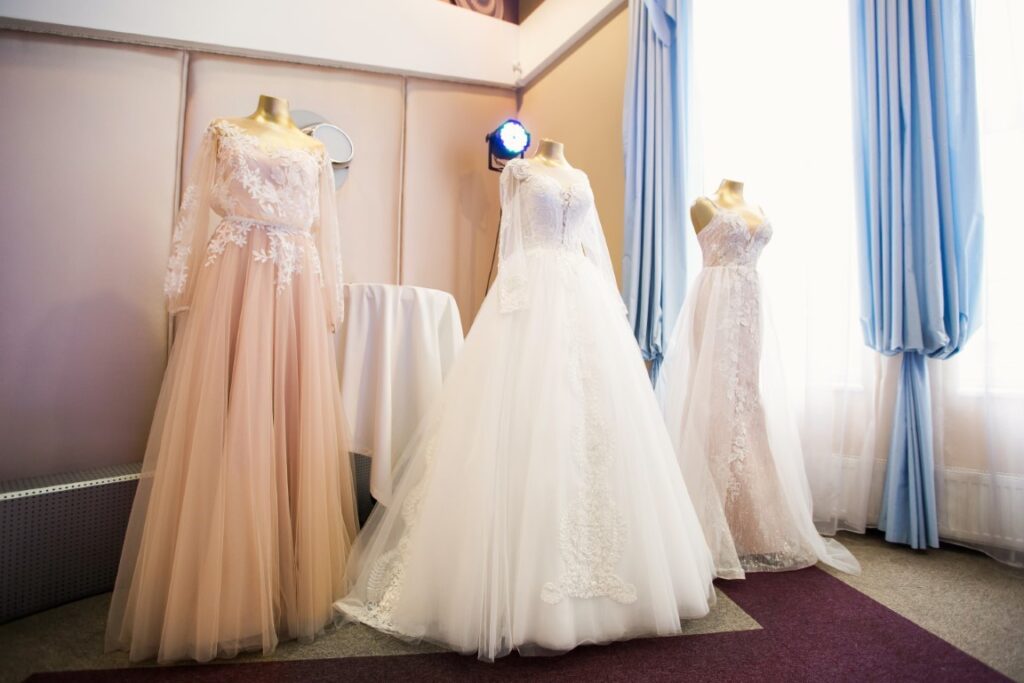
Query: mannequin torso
(272, 123)
(550, 160)
(729, 197)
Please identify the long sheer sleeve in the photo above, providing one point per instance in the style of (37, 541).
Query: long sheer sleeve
(328, 244)
(512, 278)
(192, 228)
(596, 250)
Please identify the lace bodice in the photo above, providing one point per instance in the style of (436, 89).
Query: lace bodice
(728, 241)
(554, 213)
(540, 214)
(241, 183)
(275, 185)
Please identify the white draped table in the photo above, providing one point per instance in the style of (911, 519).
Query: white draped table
(394, 350)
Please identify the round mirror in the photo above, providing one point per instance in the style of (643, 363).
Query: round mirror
(340, 149)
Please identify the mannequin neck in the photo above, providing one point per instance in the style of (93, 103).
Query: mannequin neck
(551, 153)
(273, 110)
(731, 191)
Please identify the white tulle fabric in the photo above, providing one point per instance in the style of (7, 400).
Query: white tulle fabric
(539, 506)
(244, 513)
(724, 400)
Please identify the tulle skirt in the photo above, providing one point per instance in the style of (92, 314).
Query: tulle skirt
(539, 506)
(723, 395)
(244, 514)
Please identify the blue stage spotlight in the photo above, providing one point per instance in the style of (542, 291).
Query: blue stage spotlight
(507, 141)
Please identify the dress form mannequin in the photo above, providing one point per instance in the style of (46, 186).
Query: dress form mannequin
(729, 197)
(272, 121)
(550, 156)
(551, 153)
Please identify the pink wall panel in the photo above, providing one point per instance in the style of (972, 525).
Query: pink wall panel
(369, 107)
(450, 211)
(92, 138)
(87, 184)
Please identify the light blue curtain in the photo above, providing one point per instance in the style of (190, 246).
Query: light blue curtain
(655, 144)
(919, 207)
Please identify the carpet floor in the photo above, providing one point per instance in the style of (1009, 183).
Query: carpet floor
(813, 627)
(948, 614)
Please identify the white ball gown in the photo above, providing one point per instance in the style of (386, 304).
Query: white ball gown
(244, 513)
(539, 506)
(724, 400)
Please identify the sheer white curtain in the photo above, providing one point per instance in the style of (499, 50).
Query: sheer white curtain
(773, 109)
(979, 395)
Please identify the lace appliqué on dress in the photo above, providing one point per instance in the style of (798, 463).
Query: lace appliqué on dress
(181, 248)
(538, 211)
(741, 458)
(740, 328)
(592, 533)
(511, 291)
(284, 192)
(286, 250)
(286, 189)
(387, 575)
(511, 280)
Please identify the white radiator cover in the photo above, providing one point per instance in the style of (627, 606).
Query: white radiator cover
(967, 505)
(971, 501)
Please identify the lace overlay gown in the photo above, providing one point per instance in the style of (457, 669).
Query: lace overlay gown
(540, 505)
(726, 409)
(243, 517)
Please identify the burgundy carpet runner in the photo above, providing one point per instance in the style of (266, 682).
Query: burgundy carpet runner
(814, 628)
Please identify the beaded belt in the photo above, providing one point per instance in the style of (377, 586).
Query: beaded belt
(264, 225)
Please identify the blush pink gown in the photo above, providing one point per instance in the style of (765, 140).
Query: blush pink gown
(244, 514)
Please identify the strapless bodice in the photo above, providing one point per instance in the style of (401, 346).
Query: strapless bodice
(727, 240)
